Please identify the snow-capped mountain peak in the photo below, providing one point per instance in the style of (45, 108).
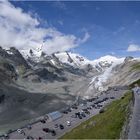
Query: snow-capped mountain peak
(35, 54)
(78, 60)
(108, 58)
(72, 59)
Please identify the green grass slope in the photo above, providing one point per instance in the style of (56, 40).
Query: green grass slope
(107, 125)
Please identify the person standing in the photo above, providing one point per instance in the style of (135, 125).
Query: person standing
(136, 89)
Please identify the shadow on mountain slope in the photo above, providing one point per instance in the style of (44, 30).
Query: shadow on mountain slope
(18, 105)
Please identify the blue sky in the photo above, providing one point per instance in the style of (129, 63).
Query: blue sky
(112, 27)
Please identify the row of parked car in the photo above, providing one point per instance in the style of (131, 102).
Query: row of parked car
(47, 130)
(81, 114)
(69, 109)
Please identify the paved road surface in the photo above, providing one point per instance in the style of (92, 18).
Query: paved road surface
(37, 132)
(134, 132)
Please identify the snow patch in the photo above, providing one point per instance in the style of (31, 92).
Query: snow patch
(53, 62)
(9, 52)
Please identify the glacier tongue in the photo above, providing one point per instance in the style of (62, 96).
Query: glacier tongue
(98, 81)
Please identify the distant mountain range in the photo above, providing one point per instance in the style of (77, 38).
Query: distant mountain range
(33, 83)
(37, 66)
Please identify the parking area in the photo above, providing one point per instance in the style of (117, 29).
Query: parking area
(64, 120)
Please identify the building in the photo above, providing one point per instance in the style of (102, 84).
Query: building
(54, 115)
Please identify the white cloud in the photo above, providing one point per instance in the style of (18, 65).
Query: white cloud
(84, 39)
(133, 48)
(22, 30)
(16, 15)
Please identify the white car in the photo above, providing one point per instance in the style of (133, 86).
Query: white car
(19, 131)
(68, 123)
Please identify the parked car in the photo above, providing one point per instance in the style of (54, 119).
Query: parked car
(96, 103)
(106, 98)
(68, 110)
(89, 108)
(84, 109)
(47, 130)
(42, 121)
(65, 112)
(68, 123)
(74, 106)
(112, 97)
(93, 105)
(89, 100)
(79, 116)
(30, 138)
(46, 117)
(61, 126)
(21, 131)
(40, 138)
(83, 114)
(93, 99)
(56, 125)
(87, 112)
(53, 132)
(99, 105)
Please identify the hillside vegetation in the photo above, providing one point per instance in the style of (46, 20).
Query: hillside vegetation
(107, 125)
